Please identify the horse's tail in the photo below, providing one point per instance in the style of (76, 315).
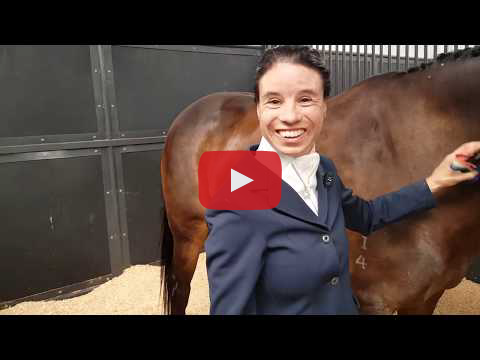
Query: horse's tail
(166, 281)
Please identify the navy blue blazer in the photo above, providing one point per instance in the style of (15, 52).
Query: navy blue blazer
(287, 260)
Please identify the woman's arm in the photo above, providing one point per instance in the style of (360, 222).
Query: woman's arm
(234, 249)
(367, 216)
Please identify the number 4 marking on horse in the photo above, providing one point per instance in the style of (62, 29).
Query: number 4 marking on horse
(361, 261)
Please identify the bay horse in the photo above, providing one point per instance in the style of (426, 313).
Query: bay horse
(383, 133)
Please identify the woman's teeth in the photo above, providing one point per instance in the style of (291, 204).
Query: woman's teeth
(290, 133)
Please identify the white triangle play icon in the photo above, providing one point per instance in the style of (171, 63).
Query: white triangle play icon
(238, 180)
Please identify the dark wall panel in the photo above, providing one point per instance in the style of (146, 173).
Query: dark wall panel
(46, 90)
(152, 86)
(53, 231)
(144, 203)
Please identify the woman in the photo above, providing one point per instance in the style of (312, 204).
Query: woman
(286, 260)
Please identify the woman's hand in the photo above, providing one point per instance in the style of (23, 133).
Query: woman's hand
(443, 176)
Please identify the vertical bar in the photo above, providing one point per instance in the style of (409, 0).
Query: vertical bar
(407, 57)
(416, 55)
(122, 207)
(425, 54)
(398, 57)
(99, 91)
(113, 225)
(350, 78)
(389, 58)
(455, 47)
(435, 51)
(445, 48)
(365, 62)
(330, 58)
(323, 52)
(373, 61)
(381, 59)
(336, 70)
(344, 84)
(358, 64)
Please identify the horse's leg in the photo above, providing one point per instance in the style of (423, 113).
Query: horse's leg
(425, 308)
(188, 243)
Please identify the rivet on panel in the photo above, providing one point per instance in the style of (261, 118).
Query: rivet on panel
(108, 192)
(120, 190)
(94, 137)
(42, 139)
(95, 150)
(113, 106)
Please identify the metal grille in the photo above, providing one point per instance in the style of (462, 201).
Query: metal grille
(350, 64)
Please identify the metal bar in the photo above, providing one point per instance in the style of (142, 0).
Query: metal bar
(344, 85)
(455, 47)
(336, 70)
(407, 57)
(65, 291)
(357, 77)
(365, 62)
(389, 58)
(225, 49)
(17, 149)
(373, 61)
(98, 91)
(435, 51)
(398, 57)
(445, 48)
(381, 60)
(122, 207)
(330, 58)
(416, 55)
(111, 201)
(425, 54)
(111, 104)
(350, 78)
(323, 52)
(48, 155)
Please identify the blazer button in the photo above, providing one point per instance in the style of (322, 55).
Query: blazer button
(334, 281)
(326, 239)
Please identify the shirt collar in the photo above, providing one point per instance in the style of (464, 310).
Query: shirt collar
(306, 165)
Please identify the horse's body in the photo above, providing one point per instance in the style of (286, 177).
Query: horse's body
(382, 134)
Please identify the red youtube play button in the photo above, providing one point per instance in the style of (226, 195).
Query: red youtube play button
(239, 180)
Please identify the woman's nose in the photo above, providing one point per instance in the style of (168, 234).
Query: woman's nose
(289, 114)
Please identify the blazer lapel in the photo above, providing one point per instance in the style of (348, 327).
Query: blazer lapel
(293, 205)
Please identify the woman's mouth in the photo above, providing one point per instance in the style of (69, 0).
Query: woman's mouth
(291, 135)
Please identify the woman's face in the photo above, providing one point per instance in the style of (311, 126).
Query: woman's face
(291, 108)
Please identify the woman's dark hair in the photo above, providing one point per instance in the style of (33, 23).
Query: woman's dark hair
(302, 55)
